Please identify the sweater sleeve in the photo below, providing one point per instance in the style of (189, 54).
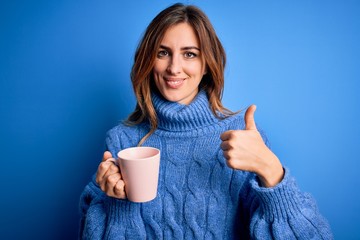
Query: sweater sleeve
(283, 212)
(103, 217)
(92, 214)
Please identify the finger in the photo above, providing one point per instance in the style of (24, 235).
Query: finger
(104, 170)
(226, 155)
(112, 169)
(111, 160)
(111, 181)
(249, 118)
(225, 145)
(226, 135)
(119, 189)
(106, 156)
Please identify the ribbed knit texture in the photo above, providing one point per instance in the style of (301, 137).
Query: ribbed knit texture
(199, 197)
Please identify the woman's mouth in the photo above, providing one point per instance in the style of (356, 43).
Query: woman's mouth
(174, 82)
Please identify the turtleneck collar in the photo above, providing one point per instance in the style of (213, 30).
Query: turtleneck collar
(176, 117)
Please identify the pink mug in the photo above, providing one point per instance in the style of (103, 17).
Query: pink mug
(139, 168)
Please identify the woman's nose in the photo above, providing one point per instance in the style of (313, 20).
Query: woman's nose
(174, 66)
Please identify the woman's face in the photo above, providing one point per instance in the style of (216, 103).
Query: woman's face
(179, 67)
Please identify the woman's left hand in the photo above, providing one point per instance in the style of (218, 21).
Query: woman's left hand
(245, 150)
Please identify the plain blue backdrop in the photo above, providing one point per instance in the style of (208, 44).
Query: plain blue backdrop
(64, 81)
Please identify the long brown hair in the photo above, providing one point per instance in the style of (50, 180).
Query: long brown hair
(213, 55)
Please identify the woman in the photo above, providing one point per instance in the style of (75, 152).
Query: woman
(218, 179)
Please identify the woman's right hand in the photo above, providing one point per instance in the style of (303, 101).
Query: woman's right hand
(109, 177)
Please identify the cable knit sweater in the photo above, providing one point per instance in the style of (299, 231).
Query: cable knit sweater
(199, 196)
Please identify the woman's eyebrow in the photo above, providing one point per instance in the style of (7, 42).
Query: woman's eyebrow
(190, 48)
(183, 48)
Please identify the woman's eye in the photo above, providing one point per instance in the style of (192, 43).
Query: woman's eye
(162, 53)
(190, 55)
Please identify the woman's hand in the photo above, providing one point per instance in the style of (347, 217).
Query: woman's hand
(245, 150)
(109, 177)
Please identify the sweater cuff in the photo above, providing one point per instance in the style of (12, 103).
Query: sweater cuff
(123, 211)
(278, 202)
(119, 210)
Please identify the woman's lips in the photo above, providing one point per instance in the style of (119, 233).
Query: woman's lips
(174, 82)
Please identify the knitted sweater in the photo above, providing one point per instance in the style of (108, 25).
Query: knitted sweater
(199, 196)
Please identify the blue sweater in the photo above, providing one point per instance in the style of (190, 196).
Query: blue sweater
(199, 196)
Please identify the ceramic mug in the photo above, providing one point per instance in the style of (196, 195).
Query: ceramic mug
(139, 168)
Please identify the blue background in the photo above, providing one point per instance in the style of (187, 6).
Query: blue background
(64, 72)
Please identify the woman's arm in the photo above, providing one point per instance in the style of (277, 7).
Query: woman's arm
(275, 208)
(104, 214)
(92, 214)
(284, 212)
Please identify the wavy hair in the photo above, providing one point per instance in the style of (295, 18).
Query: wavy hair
(213, 55)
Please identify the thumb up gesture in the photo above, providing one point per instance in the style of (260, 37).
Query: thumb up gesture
(245, 150)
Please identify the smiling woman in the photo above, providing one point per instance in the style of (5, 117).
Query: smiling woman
(218, 179)
(179, 67)
(202, 36)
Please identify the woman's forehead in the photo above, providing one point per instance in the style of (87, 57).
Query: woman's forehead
(180, 35)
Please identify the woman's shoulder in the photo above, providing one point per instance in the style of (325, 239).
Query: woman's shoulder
(126, 128)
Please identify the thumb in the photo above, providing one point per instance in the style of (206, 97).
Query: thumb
(249, 118)
(107, 155)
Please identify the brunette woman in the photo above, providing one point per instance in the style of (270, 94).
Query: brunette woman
(218, 179)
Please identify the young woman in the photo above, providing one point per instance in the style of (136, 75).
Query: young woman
(218, 179)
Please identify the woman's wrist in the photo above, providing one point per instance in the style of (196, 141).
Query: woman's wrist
(273, 173)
